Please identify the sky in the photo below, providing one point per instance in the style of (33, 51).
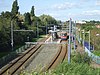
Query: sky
(59, 9)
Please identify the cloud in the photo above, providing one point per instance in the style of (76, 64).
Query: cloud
(64, 6)
(98, 3)
(91, 12)
(85, 0)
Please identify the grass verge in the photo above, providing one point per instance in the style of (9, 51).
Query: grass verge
(96, 52)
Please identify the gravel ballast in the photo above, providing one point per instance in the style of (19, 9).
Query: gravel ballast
(44, 57)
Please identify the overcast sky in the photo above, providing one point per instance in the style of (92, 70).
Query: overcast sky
(59, 9)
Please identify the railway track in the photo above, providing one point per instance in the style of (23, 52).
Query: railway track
(58, 58)
(21, 62)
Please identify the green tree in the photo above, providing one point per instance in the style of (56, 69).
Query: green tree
(32, 11)
(15, 8)
(4, 38)
(47, 19)
(27, 19)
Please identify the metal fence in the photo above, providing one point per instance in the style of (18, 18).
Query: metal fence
(86, 44)
(93, 56)
(6, 59)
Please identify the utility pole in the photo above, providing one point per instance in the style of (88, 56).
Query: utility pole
(12, 33)
(37, 31)
(89, 39)
(80, 36)
(12, 42)
(46, 28)
(83, 38)
(69, 45)
(72, 34)
(54, 28)
(75, 37)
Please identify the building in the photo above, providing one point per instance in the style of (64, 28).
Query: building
(97, 26)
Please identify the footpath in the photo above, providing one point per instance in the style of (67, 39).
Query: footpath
(81, 50)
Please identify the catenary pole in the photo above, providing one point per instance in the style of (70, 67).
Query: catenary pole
(69, 45)
(89, 39)
(75, 37)
(46, 29)
(12, 33)
(12, 42)
(84, 39)
(37, 30)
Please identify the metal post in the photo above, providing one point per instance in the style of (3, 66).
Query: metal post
(28, 39)
(80, 36)
(69, 46)
(84, 39)
(12, 35)
(37, 31)
(89, 39)
(54, 28)
(72, 32)
(75, 38)
(46, 29)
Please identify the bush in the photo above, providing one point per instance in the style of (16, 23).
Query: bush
(81, 58)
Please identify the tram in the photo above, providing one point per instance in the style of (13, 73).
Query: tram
(63, 35)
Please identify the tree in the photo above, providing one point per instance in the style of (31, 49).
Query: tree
(27, 19)
(32, 11)
(47, 19)
(15, 8)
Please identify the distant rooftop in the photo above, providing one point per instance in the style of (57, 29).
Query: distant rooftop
(81, 22)
(98, 26)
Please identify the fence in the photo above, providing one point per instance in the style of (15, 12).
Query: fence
(6, 59)
(94, 57)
